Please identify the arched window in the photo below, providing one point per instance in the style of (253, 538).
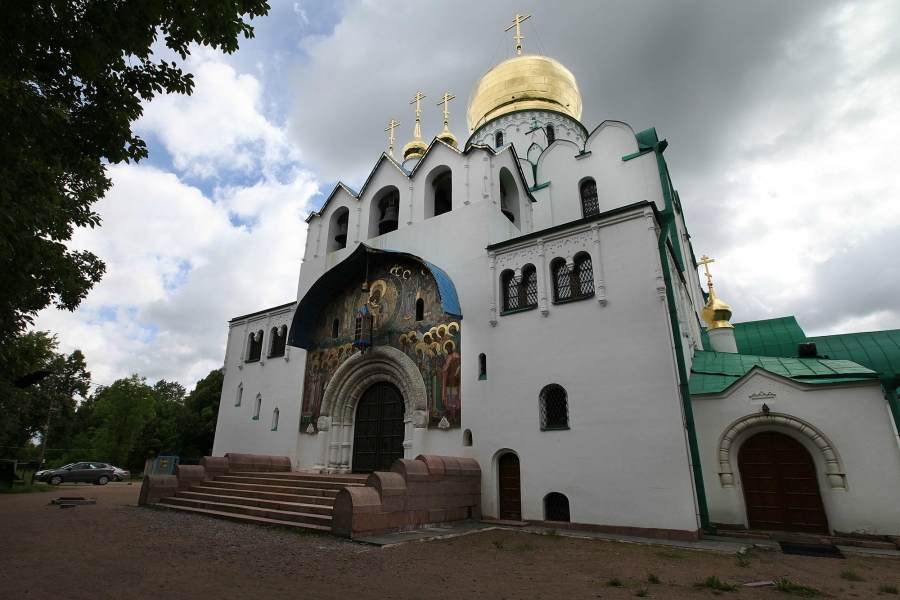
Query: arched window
(529, 293)
(279, 337)
(389, 209)
(590, 203)
(256, 342)
(420, 309)
(498, 139)
(240, 394)
(467, 437)
(509, 196)
(275, 419)
(335, 328)
(577, 283)
(551, 135)
(442, 185)
(257, 407)
(337, 229)
(510, 291)
(556, 507)
(554, 403)
(482, 366)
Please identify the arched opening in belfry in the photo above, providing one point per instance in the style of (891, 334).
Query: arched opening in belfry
(337, 229)
(439, 192)
(384, 211)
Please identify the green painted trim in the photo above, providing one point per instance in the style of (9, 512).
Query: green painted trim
(636, 154)
(274, 429)
(274, 355)
(238, 404)
(256, 418)
(517, 310)
(576, 299)
(566, 428)
(582, 154)
(665, 218)
(482, 378)
(251, 360)
(540, 186)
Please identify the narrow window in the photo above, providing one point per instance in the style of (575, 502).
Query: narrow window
(498, 139)
(510, 291)
(257, 407)
(551, 135)
(341, 235)
(420, 309)
(467, 437)
(584, 271)
(590, 203)
(556, 508)
(529, 293)
(562, 281)
(256, 342)
(275, 419)
(554, 407)
(335, 327)
(482, 366)
(240, 394)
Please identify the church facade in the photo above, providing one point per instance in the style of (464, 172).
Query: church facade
(531, 300)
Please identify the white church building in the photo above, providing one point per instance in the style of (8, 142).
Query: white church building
(531, 299)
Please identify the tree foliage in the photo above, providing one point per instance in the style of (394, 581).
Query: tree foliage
(73, 75)
(122, 409)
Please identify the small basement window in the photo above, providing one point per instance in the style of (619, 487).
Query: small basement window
(467, 437)
(556, 508)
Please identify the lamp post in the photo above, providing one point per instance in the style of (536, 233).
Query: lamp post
(363, 336)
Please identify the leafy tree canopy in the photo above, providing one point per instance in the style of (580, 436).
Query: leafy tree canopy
(123, 409)
(73, 74)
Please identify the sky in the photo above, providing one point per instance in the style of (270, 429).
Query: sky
(780, 118)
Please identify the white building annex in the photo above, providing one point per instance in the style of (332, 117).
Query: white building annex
(535, 305)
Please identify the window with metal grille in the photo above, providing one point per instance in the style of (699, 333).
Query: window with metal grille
(529, 292)
(562, 280)
(551, 135)
(584, 272)
(556, 507)
(510, 291)
(590, 203)
(577, 283)
(554, 407)
(498, 139)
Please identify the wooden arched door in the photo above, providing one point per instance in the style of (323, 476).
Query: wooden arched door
(378, 434)
(510, 487)
(780, 488)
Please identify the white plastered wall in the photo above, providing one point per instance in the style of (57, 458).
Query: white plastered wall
(852, 417)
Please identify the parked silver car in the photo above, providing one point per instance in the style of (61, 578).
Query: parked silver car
(87, 472)
(120, 474)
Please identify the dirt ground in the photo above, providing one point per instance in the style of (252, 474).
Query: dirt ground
(113, 550)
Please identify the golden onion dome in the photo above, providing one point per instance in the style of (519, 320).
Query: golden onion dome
(522, 83)
(414, 149)
(448, 138)
(716, 313)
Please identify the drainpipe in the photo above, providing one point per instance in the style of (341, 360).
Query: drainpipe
(666, 217)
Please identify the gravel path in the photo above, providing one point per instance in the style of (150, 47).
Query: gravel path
(114, 550)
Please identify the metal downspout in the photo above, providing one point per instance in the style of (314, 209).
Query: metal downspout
(665, 217)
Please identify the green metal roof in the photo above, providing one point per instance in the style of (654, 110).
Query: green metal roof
(769, 337)
(713, 372)
(878, 350)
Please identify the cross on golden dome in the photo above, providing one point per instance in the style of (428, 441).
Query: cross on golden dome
(446, 102)
(417, 133)
(705, 261)
(390, 128)
(518, 37)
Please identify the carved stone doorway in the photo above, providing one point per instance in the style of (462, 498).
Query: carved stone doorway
(379, 430)
(780, 487)
(510, 487)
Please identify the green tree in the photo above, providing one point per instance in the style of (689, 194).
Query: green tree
(73, 75)
(165, 433)
(122, 409)
(203, 410)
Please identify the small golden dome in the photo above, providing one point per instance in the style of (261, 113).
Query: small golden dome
(448, 138)
(521, 83)
(716, 313)
(414, 149)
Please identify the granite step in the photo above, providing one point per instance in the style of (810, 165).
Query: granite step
(241, 518)
(224, 491)
(282, 489)
(286, 482)
(298, 507)
(324, 478)
(323, 522)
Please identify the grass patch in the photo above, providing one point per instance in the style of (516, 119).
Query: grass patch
(741, 560)
(652, 578)
(641, 593)
(614, 582)
(29, 488)
(553, 534)
(498, 544)
(670, 554)
(714, 583)
(804, 591)
(887, 589)
(851, 575)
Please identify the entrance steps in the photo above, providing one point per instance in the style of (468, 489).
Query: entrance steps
(860, 541)
(296, 500)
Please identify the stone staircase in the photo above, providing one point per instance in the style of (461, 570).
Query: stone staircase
(289, 499)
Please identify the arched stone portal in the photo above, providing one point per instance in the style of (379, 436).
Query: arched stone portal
(351, 380)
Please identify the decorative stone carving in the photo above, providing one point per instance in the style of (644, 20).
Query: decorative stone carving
(834, 468)
(310, 429)
(321, 424)
(420, 419)
(444, 424)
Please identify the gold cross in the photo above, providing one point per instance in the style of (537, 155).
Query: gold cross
(417, 132)
(705, 261)
(446, 102)
(391, 129)
(518, 37)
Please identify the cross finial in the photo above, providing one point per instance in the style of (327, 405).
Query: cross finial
(390, 128)
(518, 37)
(705, 261)
(417, 133)
(446, 102)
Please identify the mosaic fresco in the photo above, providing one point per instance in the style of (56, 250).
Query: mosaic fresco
(395, 287)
